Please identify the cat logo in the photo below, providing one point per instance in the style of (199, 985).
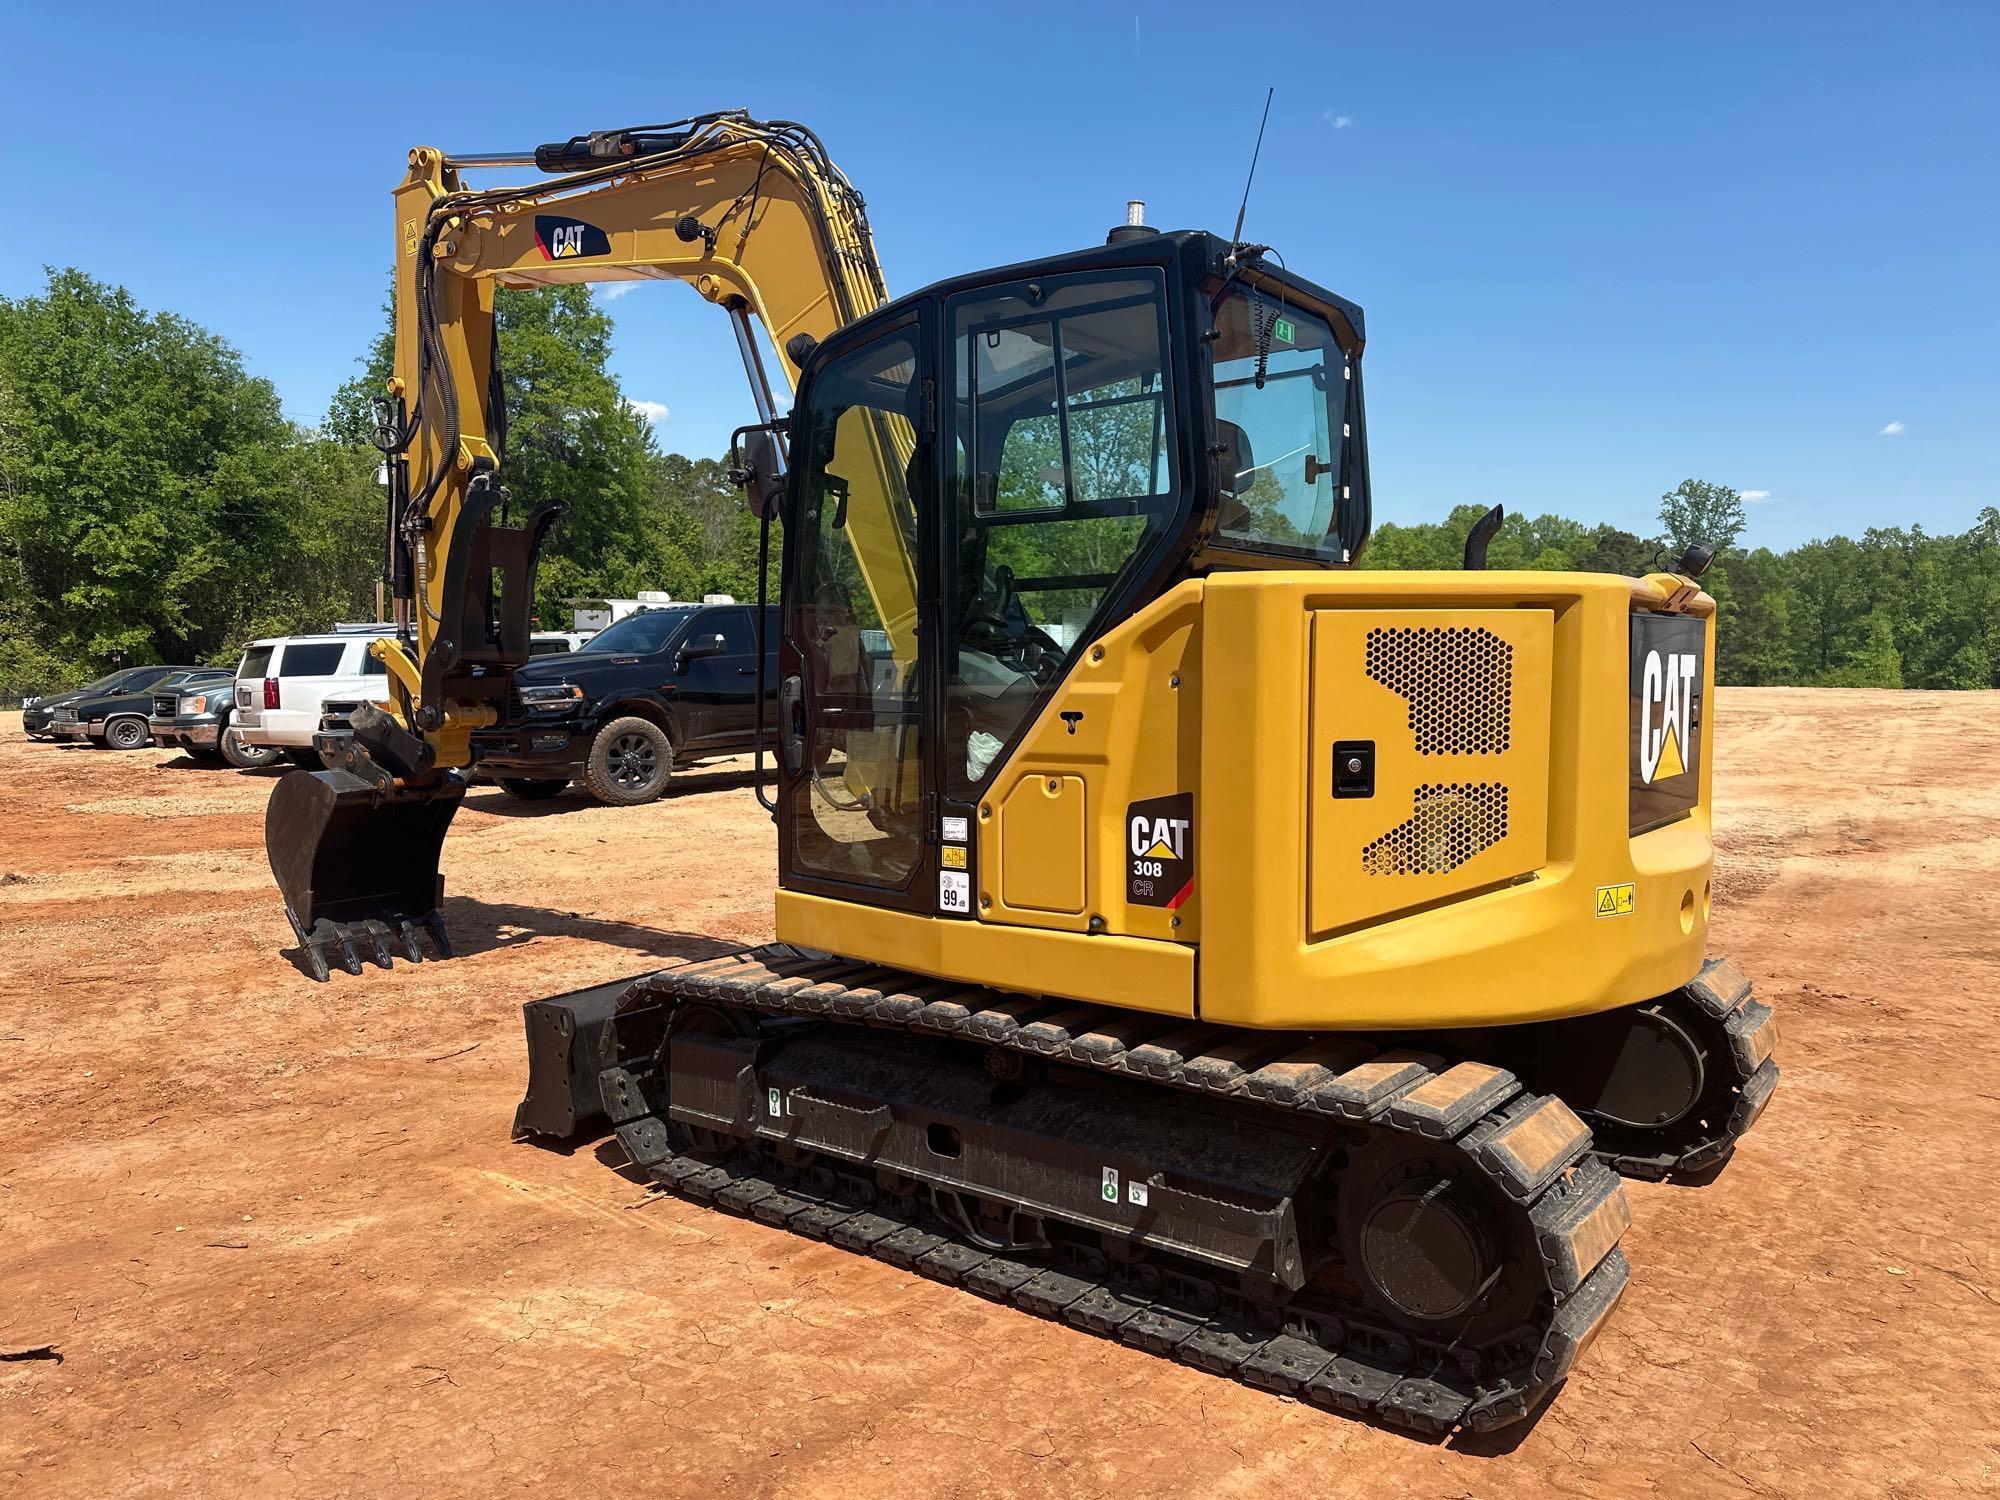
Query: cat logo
(1669, 660)
(1667, 685)
(569, 239)
(1159, 866)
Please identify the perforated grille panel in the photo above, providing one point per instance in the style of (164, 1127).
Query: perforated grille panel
(1450, 825)
(1458, 681)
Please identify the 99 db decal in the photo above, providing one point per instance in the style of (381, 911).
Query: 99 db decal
(1159, 858)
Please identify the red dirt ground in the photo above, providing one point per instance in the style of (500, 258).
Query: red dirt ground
(284, 1244)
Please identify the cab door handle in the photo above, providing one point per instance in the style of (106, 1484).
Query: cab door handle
(792, 723)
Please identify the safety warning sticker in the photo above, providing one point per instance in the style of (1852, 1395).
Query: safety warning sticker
(1615, 900)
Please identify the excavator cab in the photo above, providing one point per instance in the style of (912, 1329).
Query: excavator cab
(984, 474)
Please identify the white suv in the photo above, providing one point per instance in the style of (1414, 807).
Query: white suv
(290, 687)
(282, 684)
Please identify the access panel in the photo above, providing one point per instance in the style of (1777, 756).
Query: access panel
(1430, 758)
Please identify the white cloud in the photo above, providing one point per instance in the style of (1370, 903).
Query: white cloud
(1753, 497)
(611, 291)
(1894, 429)
(654, 412)
(1338, 122)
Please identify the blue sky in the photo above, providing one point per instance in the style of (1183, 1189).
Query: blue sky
(1602, 248)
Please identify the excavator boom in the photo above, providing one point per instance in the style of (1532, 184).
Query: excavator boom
(751, 214)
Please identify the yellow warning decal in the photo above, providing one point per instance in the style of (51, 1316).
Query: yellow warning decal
(1616, 900)
(952, 856)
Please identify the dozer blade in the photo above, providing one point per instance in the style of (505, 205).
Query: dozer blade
(358, 866)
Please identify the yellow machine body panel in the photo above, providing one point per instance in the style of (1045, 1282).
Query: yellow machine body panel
(1435, 724)
(1131, 972)
(1125, 728)
(1518, 938)
(1489, 876)
(1044, 849)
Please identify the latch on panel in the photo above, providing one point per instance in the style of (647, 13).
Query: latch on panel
(1353, 768)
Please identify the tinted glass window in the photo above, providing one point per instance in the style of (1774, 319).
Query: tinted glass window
(857, 812)
(556, 647)
(1281, 384)
(371, 665)
(256, 662)
(638, 635)
(733, 625)
(311, 658)
(1062, 481)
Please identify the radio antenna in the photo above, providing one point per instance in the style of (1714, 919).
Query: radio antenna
(1237, 237)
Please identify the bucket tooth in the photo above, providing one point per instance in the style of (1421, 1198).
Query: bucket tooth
(376, 933)
(408, 932)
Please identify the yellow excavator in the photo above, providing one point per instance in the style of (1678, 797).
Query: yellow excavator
(1181, 933)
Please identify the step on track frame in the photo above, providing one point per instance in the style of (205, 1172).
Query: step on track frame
(1530, 1148)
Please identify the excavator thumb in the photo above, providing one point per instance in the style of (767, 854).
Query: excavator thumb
(356, 858)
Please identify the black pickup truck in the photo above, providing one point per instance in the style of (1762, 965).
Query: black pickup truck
(656, 691)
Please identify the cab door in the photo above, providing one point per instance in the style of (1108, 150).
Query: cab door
(855, 693)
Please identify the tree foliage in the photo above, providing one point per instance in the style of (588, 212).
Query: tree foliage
(1898, 608)
(154, 502)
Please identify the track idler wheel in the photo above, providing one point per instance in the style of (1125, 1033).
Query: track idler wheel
(1432, 1245)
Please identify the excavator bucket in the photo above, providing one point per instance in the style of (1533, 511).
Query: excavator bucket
(358, 865)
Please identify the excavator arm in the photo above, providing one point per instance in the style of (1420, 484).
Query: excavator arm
(756, 218)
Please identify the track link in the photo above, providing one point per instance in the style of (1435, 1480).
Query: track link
(1340, 1353)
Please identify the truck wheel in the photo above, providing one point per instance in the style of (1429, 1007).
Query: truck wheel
(127, 733)
(629, 762)
(531, 789)
(246, 757)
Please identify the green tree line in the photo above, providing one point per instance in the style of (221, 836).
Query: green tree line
(157, 505)
(1897, 608)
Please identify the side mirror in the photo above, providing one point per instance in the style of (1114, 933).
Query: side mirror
(760, 470)
(702, 645)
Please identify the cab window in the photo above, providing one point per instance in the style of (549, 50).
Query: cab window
(1063, 478)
